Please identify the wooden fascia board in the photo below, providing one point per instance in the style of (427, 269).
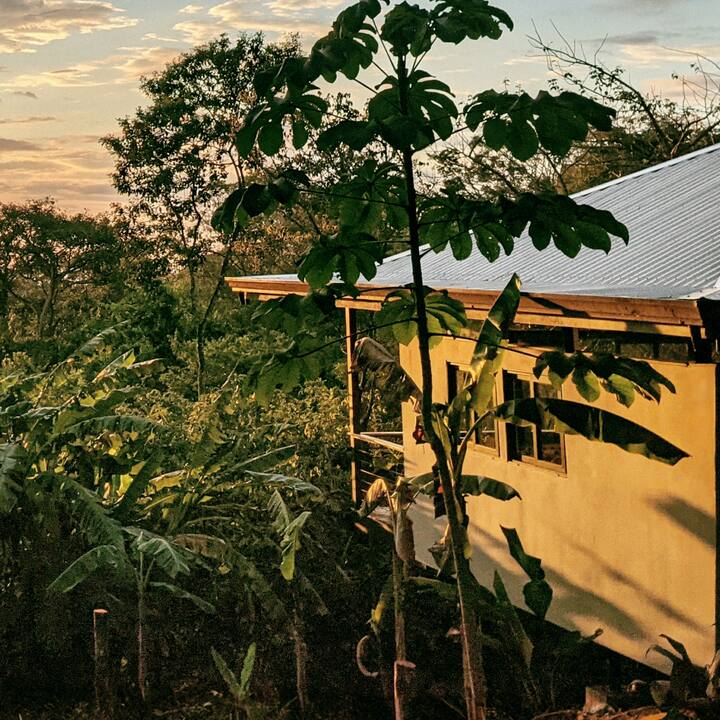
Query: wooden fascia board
(673, 317)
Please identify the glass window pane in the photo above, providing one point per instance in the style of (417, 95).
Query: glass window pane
(550, 447)
(485, 434)
(542, 390)
(522, 438)
(524, 442)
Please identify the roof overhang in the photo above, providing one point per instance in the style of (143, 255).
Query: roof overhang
(667, 317)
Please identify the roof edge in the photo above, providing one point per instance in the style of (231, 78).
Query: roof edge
(677, 313)
(648, 170)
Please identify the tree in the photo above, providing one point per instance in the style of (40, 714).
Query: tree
(47, 255)
(175, 158)
(409, 113)
(648, 129)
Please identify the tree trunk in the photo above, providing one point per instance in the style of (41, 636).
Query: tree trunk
(403, 670)
(142, 660)
(202, 324)
(301, 663)
(473, 671)
(103, 682)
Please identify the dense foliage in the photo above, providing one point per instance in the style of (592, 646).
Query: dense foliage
(181, 459)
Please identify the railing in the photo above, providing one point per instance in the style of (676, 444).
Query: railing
(376, 455)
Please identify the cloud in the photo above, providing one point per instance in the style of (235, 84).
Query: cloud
(25, 94)
(27, 120)
(8, 145)
(124, 66)
(138, 61)
(160, 38)
(191, 9)
(634, 54)
(310, 18)
(641, 37)
(78, 75)
(74, 169)
(28, 24)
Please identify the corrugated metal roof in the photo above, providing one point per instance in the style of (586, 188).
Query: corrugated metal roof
(672, 211)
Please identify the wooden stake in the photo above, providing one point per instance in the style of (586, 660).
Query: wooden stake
(103, 685)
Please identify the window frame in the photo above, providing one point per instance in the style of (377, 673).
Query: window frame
(510, 429)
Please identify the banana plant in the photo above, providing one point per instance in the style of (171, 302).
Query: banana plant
(397, 495)
(144, 563)
(239, 687)
(65, 440)
(290, 530)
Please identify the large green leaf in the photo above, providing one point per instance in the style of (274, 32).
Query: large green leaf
(489, 349)
(11, 457)
(290, 529)
(96, 522)
(620, 376)
(228, 676)
(183, 594)
(166, 555)
(247, 670)
(592, 423)
(271, 603)
(102, 557)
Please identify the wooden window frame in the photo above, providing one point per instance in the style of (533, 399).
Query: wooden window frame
(560, 468)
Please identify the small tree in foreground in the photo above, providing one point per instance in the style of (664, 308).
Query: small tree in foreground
(409, 112)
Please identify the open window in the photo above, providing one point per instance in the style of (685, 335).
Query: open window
(531, 444)
(485, 434)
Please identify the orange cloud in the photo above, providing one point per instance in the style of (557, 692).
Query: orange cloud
(28, 24)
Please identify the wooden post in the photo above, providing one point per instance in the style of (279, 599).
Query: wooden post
(353, 402)
(103, 685)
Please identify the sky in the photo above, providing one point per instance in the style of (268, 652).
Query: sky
(70, 68)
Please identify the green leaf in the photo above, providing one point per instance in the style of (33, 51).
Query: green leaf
(256, 582)
(299, 134)
(228, 676)
(620, 376)
(587, 383)
(11, 457)
(95, 520)
(247, 670)
(495, 133)
(489, 348)
(256, 199)
(245, 140)
(591, 423)
(179, 592)
(290, 528)
(166, 555)
(270, 138)
(100, 557)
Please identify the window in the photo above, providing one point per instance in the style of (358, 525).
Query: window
(532, 444)
(635, 345)
(485, 435)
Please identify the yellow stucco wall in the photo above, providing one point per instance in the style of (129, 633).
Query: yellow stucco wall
(628, 544)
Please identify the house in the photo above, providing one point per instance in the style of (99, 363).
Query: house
(630, 545)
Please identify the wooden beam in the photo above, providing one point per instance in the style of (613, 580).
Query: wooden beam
(353, 402)
(717, 507)
(635, 314)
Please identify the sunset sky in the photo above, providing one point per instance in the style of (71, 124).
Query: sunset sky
(70, 68)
